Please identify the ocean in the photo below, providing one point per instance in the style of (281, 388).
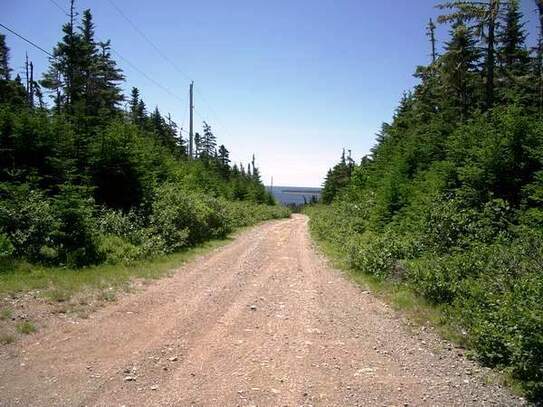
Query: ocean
(294, 195)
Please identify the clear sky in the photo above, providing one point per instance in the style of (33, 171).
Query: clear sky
(293, 81)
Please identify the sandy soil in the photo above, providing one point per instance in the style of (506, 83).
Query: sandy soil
(263, 321)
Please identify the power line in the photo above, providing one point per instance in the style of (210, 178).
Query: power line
(141, 72)
(27, 40)
(132, 65)
(151, 43)
(167, 59)
(59, 7)
(113, 50)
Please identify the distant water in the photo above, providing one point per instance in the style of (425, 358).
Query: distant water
(294, 195)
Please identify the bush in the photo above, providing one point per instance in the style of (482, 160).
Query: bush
(372, 254)
(453, 225)
(485, 274)
(241, 214)
(27, 221)
(114, 250)
(6, 248)
(77, 235)
(179, 217)
(501, 309)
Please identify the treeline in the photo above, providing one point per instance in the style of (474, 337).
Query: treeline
(85, 181)
(450, 199)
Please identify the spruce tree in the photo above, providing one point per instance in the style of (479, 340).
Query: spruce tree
(108, 78)
(512, 52)
(513, 56)
(485, 16)
(208, 142)
(197, 145)
(458, 70)
(4, 59)
(66, 75)
(223, 157)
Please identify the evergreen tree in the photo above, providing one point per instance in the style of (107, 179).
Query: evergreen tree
(4, 59)
(66, 75)
(208, 142)
(538, 60)
(431, 33)
(87, 64)
(513, 56)
(108, 79)
(459, 70)
(11, 91)
(255, 175)
(136, 115)
(197, 145)
(485, 15)
(512, 52)
(223, 157)
(337, 179)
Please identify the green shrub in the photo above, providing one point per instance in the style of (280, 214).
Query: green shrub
(373, 254)
(114, 250)
(6, 247)
(485, 275)
(26, 327)
(28, 221)
(77, 235)
(178, 217)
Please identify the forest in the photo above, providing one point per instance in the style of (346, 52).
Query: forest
(89, 175)
(449, 202)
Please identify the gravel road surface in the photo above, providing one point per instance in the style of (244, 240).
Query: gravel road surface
(263, 321)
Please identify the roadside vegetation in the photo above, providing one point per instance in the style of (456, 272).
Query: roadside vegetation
(94, 185)
(449, 202)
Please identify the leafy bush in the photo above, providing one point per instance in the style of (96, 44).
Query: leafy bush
(242, 214)
(182, 218)
(77, 234)
(115, 250)
(6, 248)
(28, 221)
(501, 309)
(489, 288)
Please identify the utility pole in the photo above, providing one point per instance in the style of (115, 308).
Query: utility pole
(191, 128)
(31, 84)
(27, 77)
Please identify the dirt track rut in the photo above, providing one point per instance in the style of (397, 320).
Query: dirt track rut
(263, 321)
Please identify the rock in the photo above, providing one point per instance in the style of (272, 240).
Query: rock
(253, 307)
(154, 387)
(129, 379)
(173, 359)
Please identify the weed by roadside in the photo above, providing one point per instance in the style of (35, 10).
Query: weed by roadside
(26, 327)
(6, 339)
(5, 314)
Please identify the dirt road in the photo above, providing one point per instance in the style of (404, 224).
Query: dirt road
(261, 322)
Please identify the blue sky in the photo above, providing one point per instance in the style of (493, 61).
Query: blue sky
(293, 81)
